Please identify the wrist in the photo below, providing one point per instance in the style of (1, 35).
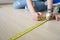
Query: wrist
(50, 10)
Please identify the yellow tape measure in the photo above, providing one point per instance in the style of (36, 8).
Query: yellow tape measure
(26, 31)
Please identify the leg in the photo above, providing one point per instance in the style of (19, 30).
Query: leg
(19, 4)
(39, 6)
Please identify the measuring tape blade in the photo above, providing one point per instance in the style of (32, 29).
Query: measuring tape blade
(26, 31)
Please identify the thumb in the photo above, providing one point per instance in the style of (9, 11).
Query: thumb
(39, 13)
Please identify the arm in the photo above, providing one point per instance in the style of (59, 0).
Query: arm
(49, 5)
(50, 8)
(30, 5)
(36, 15)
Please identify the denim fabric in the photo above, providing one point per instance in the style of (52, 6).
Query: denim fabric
(18, 4)
(21, 3)
(39, 6)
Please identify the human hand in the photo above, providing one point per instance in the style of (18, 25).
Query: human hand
(54, 16)
(57, 18)
(37, 16)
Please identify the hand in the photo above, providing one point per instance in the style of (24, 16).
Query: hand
(37, 16)
(55, 17)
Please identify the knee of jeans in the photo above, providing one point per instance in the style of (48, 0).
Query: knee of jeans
(19, 4)
(40, 6)
(37, 9)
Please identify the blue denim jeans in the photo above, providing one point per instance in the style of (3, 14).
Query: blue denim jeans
(39, 5)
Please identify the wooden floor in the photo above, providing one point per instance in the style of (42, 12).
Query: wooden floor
(13, 21)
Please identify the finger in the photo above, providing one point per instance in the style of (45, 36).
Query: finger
(40, 16)
(57, 18)
(39, 13)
